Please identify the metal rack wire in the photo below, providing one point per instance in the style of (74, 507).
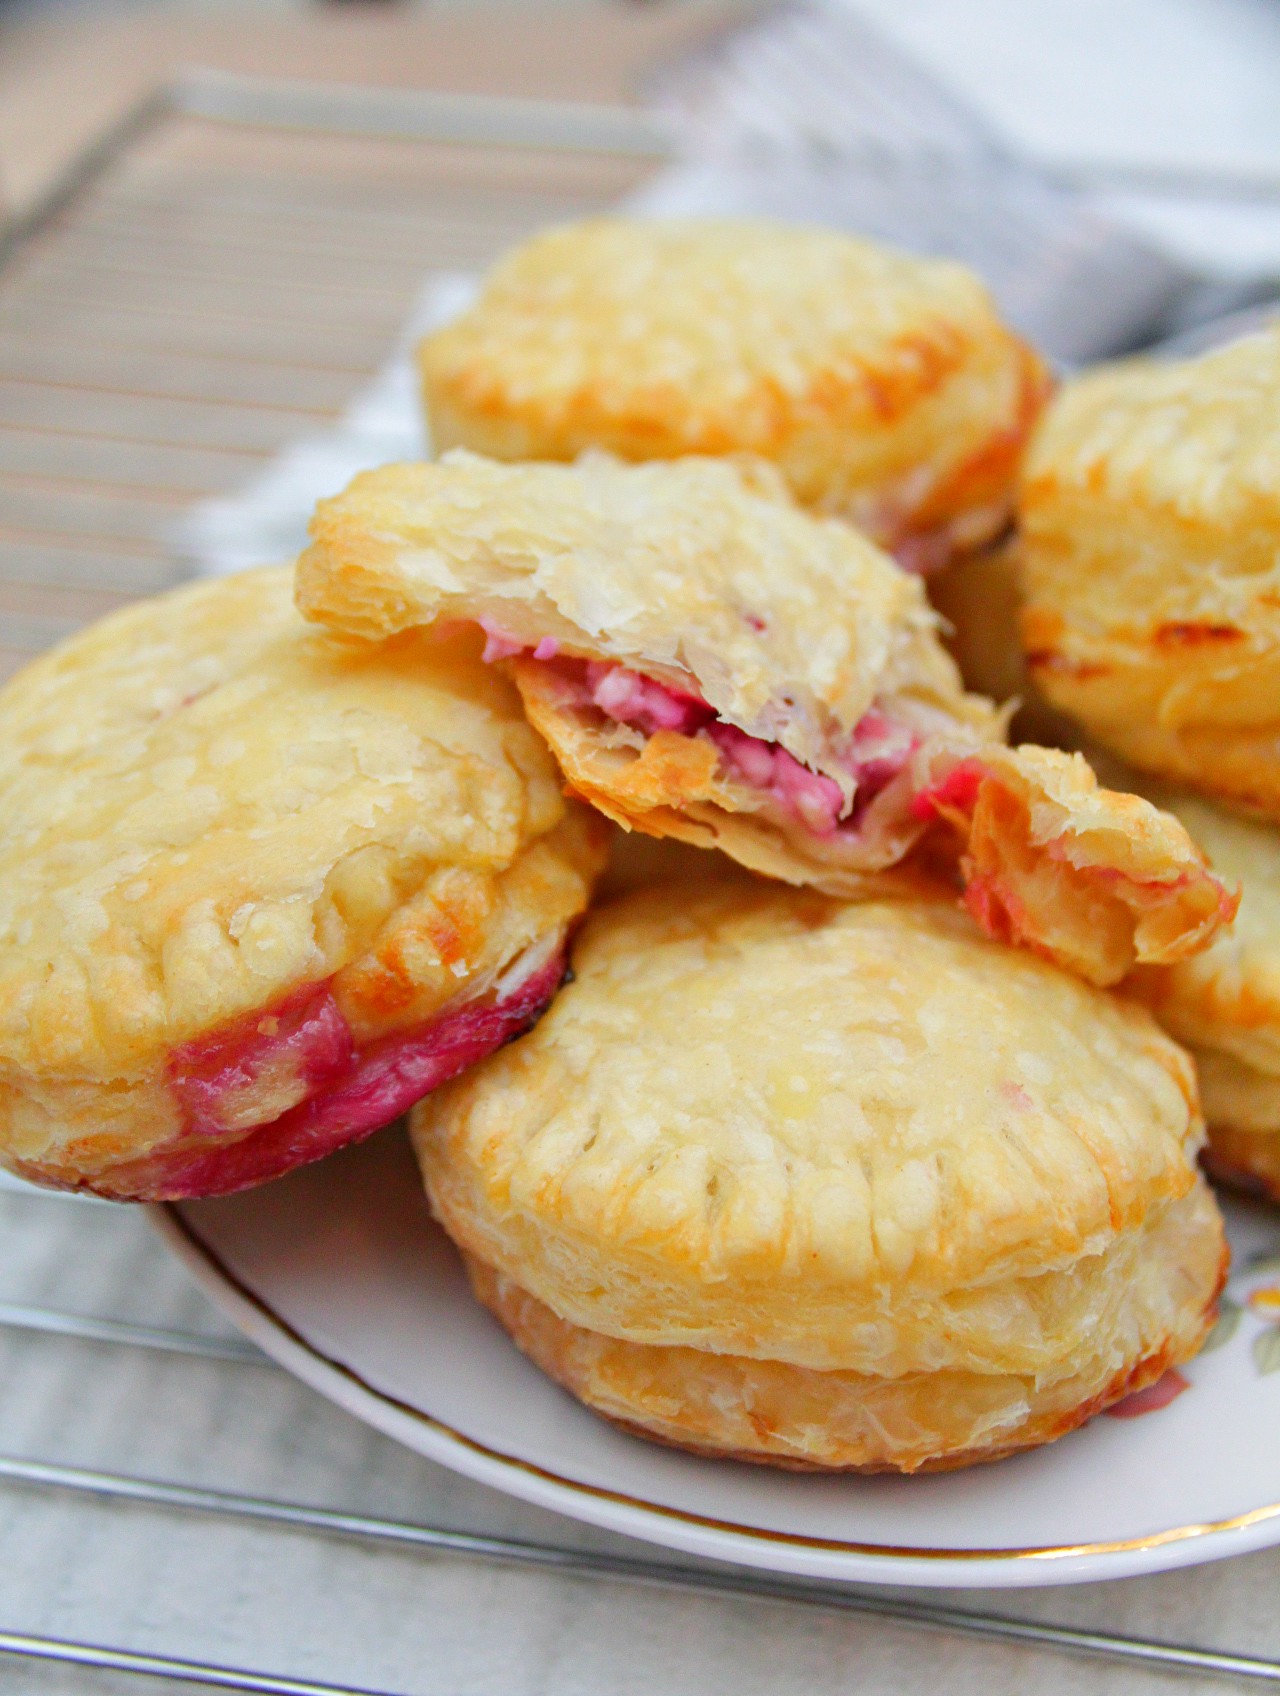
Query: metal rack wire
(221, 272)
(291, 1516)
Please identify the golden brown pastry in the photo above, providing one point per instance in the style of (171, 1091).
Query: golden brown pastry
(1225, 1005)
(831, 1185)
(708, 661)
(884, 387)
(1150, 556)
(259, 891)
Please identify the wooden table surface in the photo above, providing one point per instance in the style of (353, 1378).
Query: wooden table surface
(221, 289)
(64, 82)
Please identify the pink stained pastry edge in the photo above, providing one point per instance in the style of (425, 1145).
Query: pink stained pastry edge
(352, 1092)
(1152, 1398)
(878, 748)
(922, 781)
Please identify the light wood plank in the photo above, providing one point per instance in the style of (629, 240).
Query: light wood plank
(131, 569)
(168, 374)
(219, 293)
(31, 632)
(260, 428)
(59, 603)
(100, 460)
(106, 516)
(65, 77)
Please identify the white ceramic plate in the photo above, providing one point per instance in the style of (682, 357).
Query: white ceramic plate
(339, 1273)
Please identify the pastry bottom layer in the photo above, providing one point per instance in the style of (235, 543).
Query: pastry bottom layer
(776, 1414)
(373, 1086)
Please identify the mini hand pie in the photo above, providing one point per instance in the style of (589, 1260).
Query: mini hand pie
(883, 387)
(1150, 560)
(831, 1185)
(259, 891)
(1225, 1005)
(708, 661)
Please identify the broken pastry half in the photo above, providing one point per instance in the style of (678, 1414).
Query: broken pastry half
(708, 661)
(260, 891)
(831, 1185)
(884, 387)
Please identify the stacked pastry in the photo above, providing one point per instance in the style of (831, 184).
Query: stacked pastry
(836, 1185)
(833, 1146)
(822, 1179)
(1150, 559)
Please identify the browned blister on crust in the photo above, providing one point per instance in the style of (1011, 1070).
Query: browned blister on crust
(831, 1185)
(808, 721)
(1150, 562)
(884, 387)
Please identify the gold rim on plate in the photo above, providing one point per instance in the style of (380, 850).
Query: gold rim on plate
(1155, 1540)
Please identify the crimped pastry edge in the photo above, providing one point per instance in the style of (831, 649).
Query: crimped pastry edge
(560, 1197)
(908, 416)
(768, 1413)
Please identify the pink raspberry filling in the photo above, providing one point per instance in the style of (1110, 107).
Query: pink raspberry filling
(805, 795)
(350, 1091)
(958, 791)
(628, 698)
(499, 646)
(878, 748)
(1153, 1398)
(304, 1038)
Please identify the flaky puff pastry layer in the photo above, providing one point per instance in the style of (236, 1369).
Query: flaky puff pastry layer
(1225, 1004)
(1154, 1300)
(884, 387)
(705, 577)
(206, 803)
(702, 573)
(852, 1138)
(1150, 560)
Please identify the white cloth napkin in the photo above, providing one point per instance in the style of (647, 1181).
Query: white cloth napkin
(265, 522)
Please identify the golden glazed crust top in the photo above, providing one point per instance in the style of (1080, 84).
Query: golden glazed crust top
(762, 1122)
(701, 573)
(204, 803)
(1150, 560)
(883, 386)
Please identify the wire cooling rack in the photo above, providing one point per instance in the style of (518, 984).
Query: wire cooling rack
(222, 273)
(54, 1244)
(218, 275)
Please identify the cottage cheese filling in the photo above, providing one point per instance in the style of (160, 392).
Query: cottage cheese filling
(877, 750)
